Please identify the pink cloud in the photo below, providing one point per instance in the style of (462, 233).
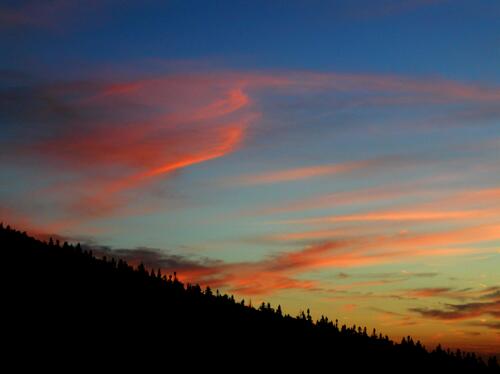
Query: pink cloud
(175, 125)
(401, 215)
(119, 135)
(286, 270)
(309, 172)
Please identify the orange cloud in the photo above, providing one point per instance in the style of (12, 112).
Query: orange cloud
(101, 197)
(403, 215)
(343, 253)
(296, 174)
(314, 171)
(489, 293)
(429, 292)
(280, 272)
(175, 126)
(114, 136)
(462, 311)
(349, 307)
(351, 197)
(455, 207)
(288, 270)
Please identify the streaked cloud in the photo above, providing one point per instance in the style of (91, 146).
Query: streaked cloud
(461, 311)
(119, 134)
(285, 270)
(114, 137)
(315, 171)
(395, 216)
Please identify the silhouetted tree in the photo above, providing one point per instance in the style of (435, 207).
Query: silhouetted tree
(67, 296)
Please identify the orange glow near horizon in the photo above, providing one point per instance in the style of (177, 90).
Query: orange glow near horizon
(204, 167)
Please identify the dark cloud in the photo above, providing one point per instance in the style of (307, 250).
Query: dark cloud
(389, 312)
(461, 311)
(35, 107)
(483, 302)
(491, 293)
(32, 109)
(494, 325)
(249, 278)
(424, 275)
(342, 276)
(33, 104)
(159, 259)
(402, 275)
(429, 292)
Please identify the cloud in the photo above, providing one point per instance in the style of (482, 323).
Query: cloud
(404, 215)
(490, 293)
(468, 218)
(400, 241)
(342, 275)
(369, 250)
(101, 140)
(461, 311)
(429, 292)
(149, 155)
(115, 137)
(494, 325)
(420, 274)
(403, 274)
(436, 91)
(244, 278)
(476, 202)
(355, 197)
(486, 303)
(152, 258)
(264, 277)
(349, 307)
(285, 270)
(315, 171)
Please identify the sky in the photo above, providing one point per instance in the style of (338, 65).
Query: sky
(341, 156)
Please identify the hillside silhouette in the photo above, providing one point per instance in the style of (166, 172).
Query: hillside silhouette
(61, 300)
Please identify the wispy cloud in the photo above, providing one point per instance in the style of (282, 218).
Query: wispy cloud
(410, 215)
(494, 325)
(315, 171)
(486, 302)
(109, 137)
(286, 270)
(461, 311)
(354, 197)
(113, 137)
(441, 292)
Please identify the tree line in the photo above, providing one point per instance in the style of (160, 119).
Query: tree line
(88, 304)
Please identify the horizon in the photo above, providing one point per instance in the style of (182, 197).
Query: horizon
(340, 156)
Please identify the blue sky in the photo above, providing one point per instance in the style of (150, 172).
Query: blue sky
(337, 155)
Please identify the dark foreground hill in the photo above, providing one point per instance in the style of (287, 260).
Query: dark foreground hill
(63, 304)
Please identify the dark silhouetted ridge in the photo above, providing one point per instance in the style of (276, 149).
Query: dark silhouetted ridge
(63, 302)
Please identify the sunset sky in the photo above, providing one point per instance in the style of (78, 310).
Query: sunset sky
(342, 156)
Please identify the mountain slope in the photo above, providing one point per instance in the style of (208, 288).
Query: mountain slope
(92, 308)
